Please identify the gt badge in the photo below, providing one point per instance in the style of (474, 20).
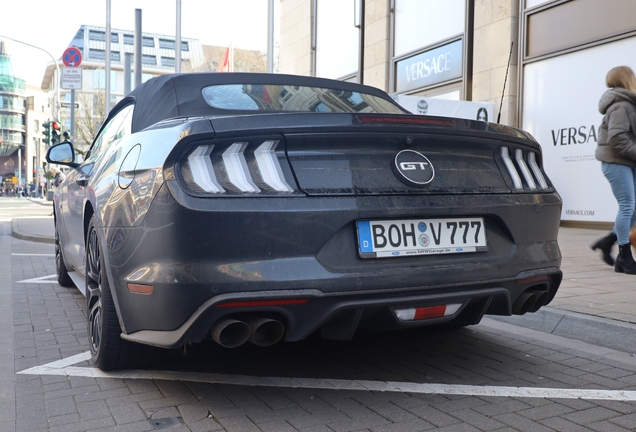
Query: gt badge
(413, 168)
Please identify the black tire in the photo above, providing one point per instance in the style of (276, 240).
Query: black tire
(109, 351)
(60, 267)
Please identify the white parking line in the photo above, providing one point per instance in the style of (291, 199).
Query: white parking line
(41, 279)
(65, 367)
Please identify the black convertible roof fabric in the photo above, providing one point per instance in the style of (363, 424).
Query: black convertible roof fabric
(179, 95)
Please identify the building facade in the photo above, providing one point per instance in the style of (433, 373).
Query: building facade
(541, 63)
(12, 129)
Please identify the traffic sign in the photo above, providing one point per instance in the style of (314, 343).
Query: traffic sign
(71, 79)
(72, 57)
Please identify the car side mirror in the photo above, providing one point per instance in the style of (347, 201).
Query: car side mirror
(62, 154)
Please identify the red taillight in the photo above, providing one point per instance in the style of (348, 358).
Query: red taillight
(406, 120)
(252, 303)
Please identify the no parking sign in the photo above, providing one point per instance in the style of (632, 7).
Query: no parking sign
(72, 57)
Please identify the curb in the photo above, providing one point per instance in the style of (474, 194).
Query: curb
(40, 202)
(605, 332)
(29, 237)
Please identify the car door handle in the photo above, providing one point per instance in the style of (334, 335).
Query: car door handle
(82, 181)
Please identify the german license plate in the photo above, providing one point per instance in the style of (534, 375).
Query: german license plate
(395, 238)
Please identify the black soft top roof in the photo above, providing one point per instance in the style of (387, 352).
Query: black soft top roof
(179, 95)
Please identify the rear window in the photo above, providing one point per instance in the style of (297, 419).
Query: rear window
(275, 97)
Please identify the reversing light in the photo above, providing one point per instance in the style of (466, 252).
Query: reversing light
(429, 312)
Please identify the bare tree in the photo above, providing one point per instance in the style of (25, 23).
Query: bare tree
(88, 119)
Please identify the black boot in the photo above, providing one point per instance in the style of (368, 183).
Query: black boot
(624, 261)
(605, 245)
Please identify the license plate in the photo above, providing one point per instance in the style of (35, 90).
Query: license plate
(395, 238)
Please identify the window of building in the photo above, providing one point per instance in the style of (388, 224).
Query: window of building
(99, 79)
(97, 35)
(337, 39)
(129, 39)
(115, 56)
(167, 61)
(185, 46)
(79, 34)
(166, 43)
(36, 125)
(114, 37)
(96, 54)
(148, 59)
(419, 23)
(148, 41)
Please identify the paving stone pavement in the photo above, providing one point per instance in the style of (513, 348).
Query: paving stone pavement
(49, 324)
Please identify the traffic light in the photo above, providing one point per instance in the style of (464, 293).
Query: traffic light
(55, 132)
(46, 131)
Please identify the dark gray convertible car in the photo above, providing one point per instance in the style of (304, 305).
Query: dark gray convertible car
(256, 207)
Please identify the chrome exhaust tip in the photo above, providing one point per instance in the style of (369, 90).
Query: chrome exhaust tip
(230, 333)
(265, 331)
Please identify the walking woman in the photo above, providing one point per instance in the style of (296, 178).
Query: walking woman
(617, 152)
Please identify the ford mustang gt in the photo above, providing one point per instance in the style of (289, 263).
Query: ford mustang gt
(259, 207)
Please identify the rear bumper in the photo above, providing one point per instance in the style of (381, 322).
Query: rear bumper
(199, 253)
(339, 316)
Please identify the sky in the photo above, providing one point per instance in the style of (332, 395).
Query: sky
(51, 25)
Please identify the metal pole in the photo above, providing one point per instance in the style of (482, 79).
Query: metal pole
(137, 47)
(57, 66)
(177, 50)
(361, 43)
(72, 137)
(270, 36)
(19, 170)
(127, 72)
(107, 78)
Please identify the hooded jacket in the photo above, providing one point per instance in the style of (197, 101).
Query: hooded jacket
(617, 134)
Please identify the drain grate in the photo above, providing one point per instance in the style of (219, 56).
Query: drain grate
(163, 423)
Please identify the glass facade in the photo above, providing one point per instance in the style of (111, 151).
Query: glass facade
(12, 108)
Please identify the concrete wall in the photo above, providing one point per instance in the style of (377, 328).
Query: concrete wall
(376, 44)
(295, 37)
(496, 26)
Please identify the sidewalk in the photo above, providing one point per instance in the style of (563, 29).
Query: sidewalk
(594, 304)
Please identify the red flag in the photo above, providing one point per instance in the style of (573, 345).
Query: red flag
(227, 61)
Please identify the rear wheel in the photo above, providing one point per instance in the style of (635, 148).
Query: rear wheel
(60, 267)
(109, 351)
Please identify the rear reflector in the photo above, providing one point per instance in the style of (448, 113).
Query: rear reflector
(533, 279)
(429, 312)
(252, 303)
(140, 289)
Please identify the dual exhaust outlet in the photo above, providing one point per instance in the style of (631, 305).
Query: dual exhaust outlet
(232, 333)
(529, 301)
